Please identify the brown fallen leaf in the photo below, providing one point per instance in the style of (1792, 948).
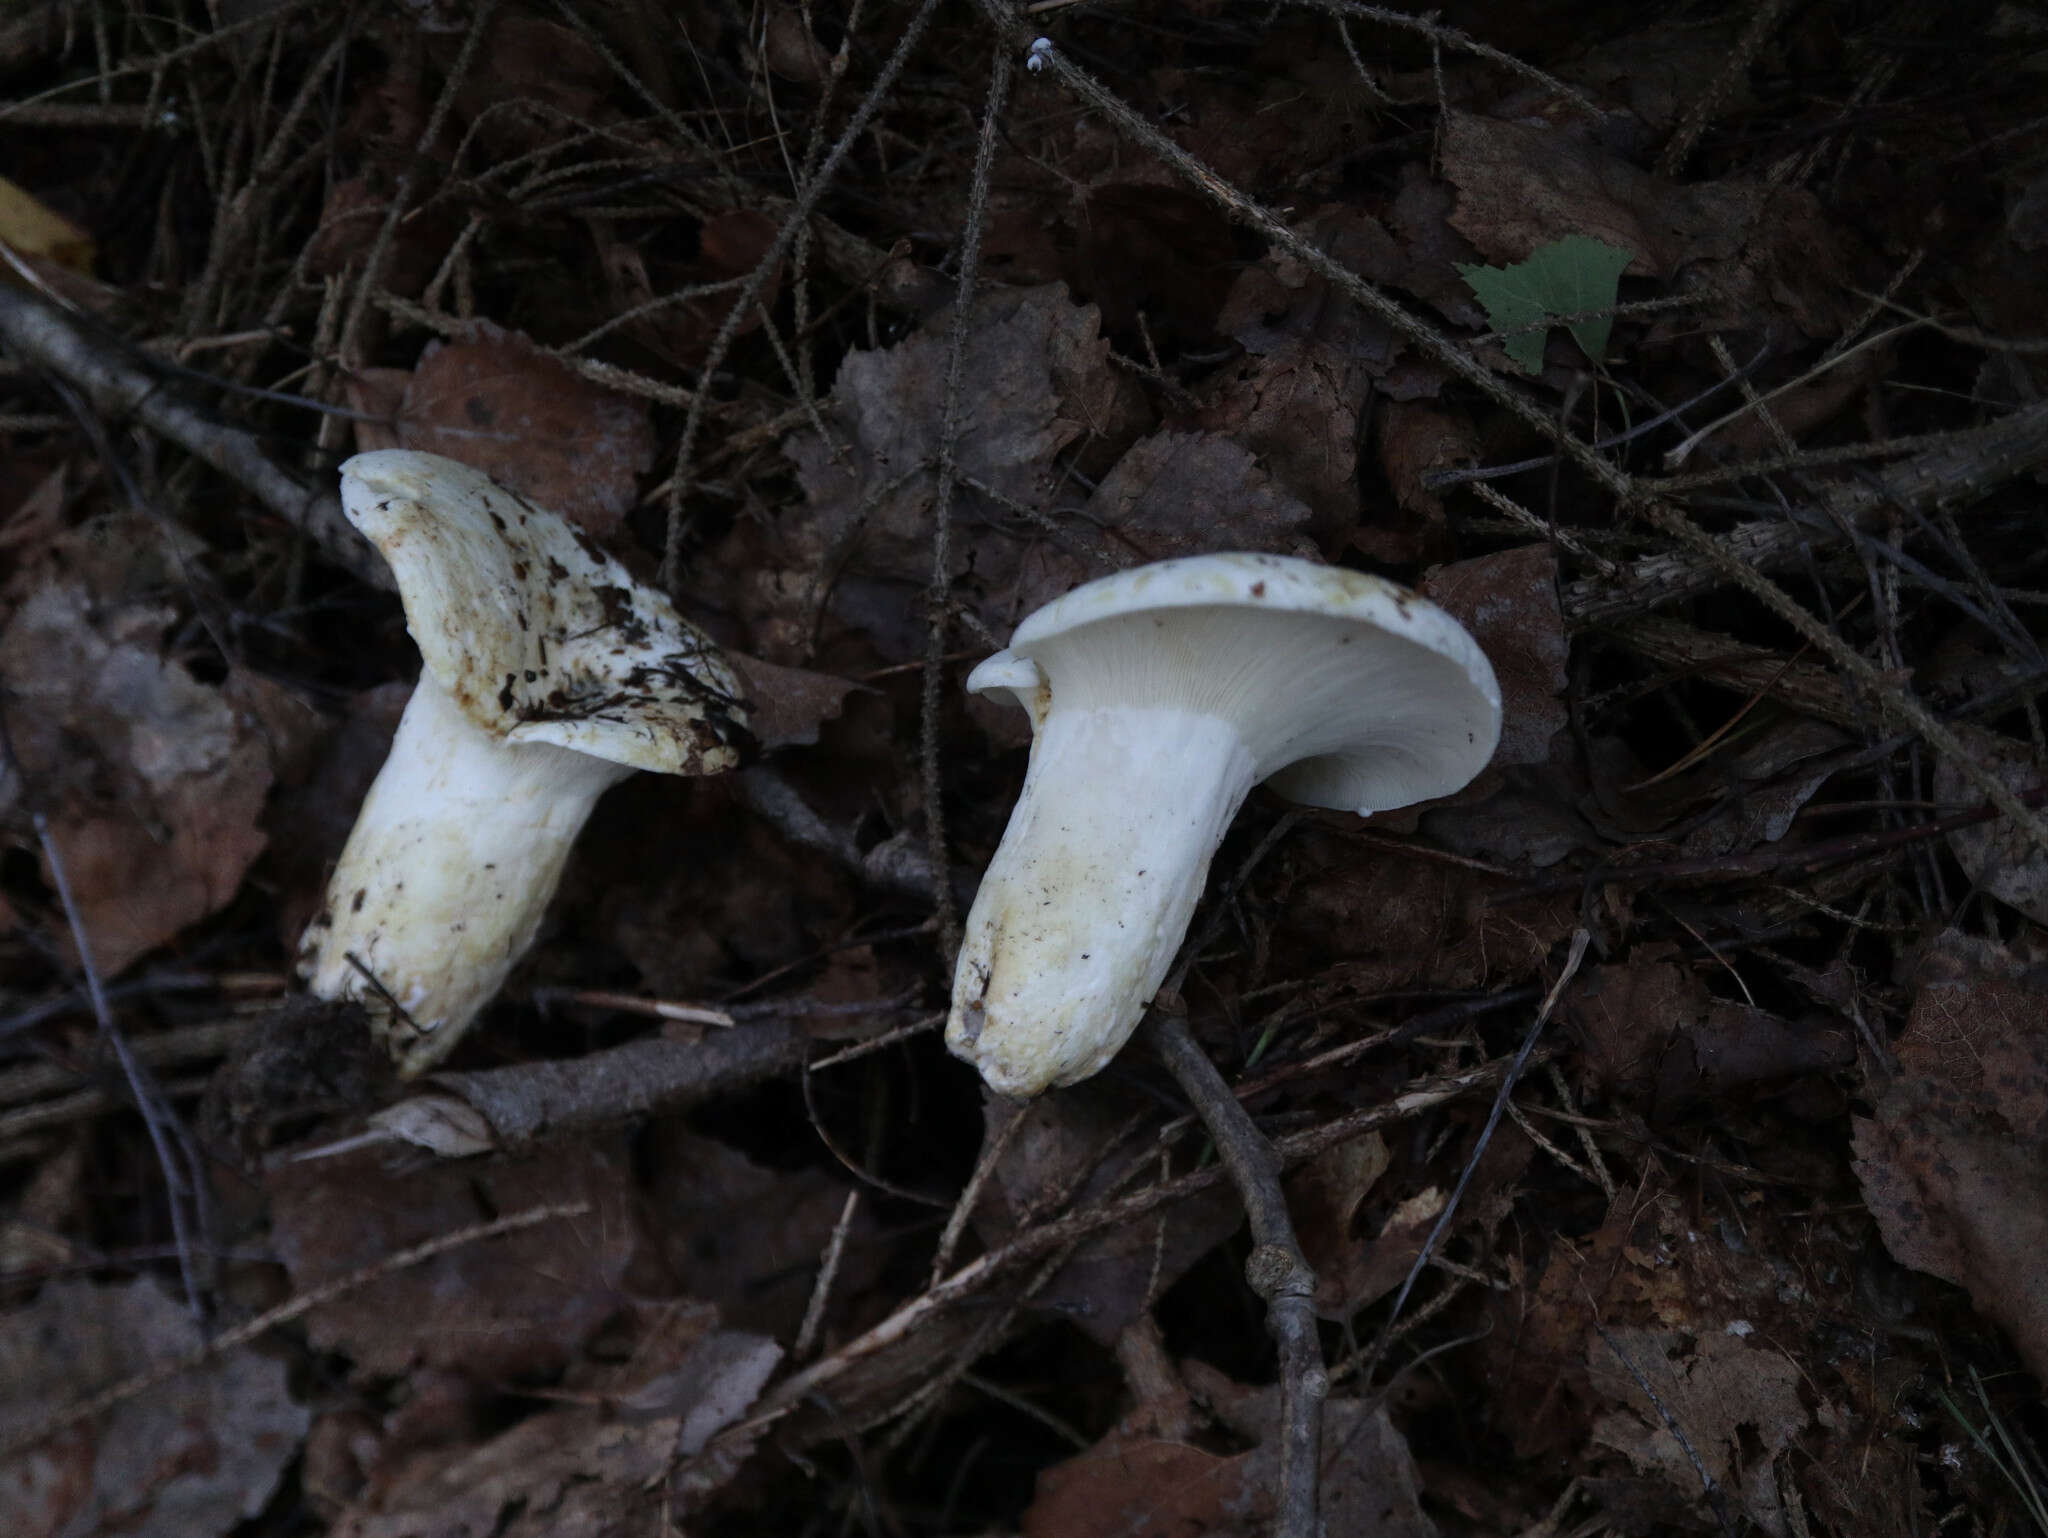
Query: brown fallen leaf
(1522, 185)
(748, 1238)
(1036, 383)
(518, 1305)
(1509, 603)
(788, 705)
(588, 1469)
(153, 781)
(496, 401)
(1137, 1488)
(1954, 1163)
(189, 1458)
(1172, 494)
(1735, 1404)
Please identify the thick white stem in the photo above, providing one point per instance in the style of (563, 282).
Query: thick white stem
(447, 874)
(1091, 890)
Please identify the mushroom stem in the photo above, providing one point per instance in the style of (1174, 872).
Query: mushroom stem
(444, 880)
(1091, 889)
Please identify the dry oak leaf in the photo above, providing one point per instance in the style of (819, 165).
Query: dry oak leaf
(587, 1470)
(1172, 494)
(155, 781)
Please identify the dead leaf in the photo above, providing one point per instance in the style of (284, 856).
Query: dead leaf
(1727, 1398)
(581, 1470)
(787, 706)
(1998, 855)
(518, 1305)
(1509, 603)
(748, 1238)
(1521, 186)
(1036, 383)
(530, 422)
(1061, 1157)
(1414, 438)
(1137, 1490)
(1368, 1486)
(1955, 1160)
(1173, 494)
(189, 1458)
(153, 781)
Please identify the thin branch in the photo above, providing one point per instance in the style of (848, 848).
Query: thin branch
(1277, 1271)
(127, 1389)
(121, 385)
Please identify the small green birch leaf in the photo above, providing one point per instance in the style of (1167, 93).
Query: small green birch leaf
(1566, 277)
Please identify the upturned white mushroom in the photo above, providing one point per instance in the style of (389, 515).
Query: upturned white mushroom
(1159, 697)
(548, 674)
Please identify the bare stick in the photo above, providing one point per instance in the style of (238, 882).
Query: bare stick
(939, 597)
(284, 1313)
(1580, 939)
(120, 386)
(184, 1175)
(1277, 1271)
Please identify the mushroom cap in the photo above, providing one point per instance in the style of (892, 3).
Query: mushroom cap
(537, 634)
(1350, 691)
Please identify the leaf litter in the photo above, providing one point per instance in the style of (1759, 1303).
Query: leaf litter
(1768, 1184)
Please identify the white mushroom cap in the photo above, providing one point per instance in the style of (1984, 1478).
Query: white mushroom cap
(1159, 697)
(1349, 691)
(548, 675)
(538, 634)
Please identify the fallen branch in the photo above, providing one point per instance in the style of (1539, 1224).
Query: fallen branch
(1277, 1270)
(1968, 465)
(123, 385)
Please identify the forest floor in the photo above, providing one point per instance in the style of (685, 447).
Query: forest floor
(1664, 1116)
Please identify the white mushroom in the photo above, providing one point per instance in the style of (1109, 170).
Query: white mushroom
(1159, 697)
(548, 674)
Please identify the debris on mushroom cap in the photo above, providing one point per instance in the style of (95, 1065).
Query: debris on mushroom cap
(536, 633)
(1350, 691)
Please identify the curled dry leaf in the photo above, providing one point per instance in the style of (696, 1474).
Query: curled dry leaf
(189, 1458)
(1954, 1163)
(153, 781)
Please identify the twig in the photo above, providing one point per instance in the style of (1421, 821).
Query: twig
(743, 304)
(184, 1174)
(120, 1393)
(1050, 1238)
(828, 1269)
(1577, 954)
(532, 1101)
(1277, 1271)
(938, 597)
(109, 373)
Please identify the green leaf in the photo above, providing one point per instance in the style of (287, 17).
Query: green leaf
(1566, 277)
